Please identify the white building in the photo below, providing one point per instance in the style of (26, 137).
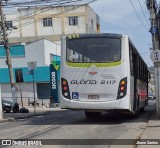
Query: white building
(50, 23)
(41, 51)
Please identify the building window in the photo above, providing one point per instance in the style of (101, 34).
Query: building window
(54, 58)
(9, 24)
(47, 22)
(19, 75)
(91, 23)
(73, 20)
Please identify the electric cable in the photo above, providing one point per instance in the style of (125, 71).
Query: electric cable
(53, 15)
(138, 15)
(44, 9)
(143, 13)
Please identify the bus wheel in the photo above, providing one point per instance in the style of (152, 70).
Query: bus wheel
(142, 109)
(136, 113)
(92, 114)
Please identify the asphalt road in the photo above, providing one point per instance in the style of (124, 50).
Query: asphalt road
(66, 124)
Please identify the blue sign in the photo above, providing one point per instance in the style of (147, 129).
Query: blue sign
(154, 30)
(54, 83)
(75, 95)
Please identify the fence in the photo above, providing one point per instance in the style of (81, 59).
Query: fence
(28, 101)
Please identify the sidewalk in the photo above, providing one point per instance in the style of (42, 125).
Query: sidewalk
(151, 135)
(39, 111)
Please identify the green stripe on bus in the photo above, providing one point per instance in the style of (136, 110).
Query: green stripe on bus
(96, 64)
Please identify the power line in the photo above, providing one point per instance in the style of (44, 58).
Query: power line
(44, 9)
(34, 13)
(53, 15)
(42, 3)
(138, 15)
(30, 2)
(143, 13)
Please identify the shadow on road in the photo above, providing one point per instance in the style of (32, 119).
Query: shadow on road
(67, 117)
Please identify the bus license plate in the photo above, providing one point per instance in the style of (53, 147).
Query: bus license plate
(93, 97)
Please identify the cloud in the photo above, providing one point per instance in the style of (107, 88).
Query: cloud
(119, 16)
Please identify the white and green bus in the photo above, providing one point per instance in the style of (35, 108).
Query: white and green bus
(102, 72)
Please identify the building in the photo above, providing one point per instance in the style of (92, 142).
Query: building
(34, 23)
(43, 52)
(38, 27)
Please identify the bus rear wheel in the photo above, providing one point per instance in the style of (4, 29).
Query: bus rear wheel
(137, 112)
(92, 114)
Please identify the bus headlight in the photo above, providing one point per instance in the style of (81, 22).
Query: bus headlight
(65, 88)
(122, 89)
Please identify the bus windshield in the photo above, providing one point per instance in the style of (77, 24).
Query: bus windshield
(90, 50)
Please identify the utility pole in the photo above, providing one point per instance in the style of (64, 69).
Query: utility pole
(155, 55)
(7, 48)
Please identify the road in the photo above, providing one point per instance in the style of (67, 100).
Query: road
(66, 124)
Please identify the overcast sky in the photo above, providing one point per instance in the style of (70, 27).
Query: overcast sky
(118, 16)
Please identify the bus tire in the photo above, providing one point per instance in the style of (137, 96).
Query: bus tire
(142, 109)
(92, 114)
(136, 113)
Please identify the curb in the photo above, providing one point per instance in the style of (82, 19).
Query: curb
(7, 120)
(33, 115)
(22, 117)
(152, 115)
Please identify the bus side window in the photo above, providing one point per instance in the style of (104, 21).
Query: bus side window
(131, 60)
(149, 76)
(138, 68)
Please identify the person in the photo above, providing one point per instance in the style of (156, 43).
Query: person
(51, 99)
(51, 104)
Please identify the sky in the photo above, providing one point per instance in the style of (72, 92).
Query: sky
(119, 16)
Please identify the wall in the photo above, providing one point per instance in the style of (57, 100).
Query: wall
(51, 48)
(13, 17)
(32, 25)
(80, 28)
(26, 88)
(17, 54)
(38, 51)
(92, 15)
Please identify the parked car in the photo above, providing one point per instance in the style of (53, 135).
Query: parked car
(151, 97)
(7, 106)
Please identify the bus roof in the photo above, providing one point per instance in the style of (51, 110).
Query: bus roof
(109, 35)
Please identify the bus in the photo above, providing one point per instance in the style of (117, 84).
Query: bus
(102, 72)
